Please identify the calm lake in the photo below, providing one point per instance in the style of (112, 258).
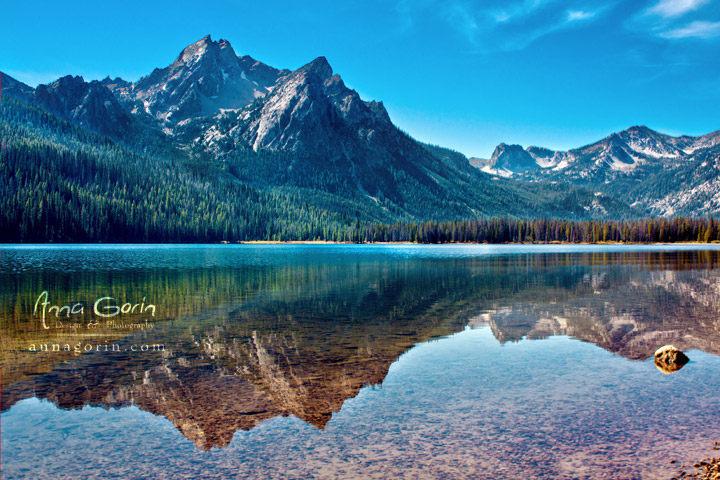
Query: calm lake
(351, 362)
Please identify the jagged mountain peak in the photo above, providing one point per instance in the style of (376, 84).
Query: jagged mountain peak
(69, 89)
(645, 141)
(505, 147)
(87, 104)
(641, 129)
(204, 48)
(508, 159)
(117, 81)
(320, 67)
(619, 153)
(540, 152)
(206, 78)
(305, 111)
(68, 80)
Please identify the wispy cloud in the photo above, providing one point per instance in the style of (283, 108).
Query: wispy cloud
(464, 21)
(697, 29)
(579, 15)
(675, 8)
(516, 11)
(515, 25)
(679, 19)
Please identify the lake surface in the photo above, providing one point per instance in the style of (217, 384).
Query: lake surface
(323, 361)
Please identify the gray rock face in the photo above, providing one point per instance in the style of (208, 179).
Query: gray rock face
(89, 105)
(669, 359)
(512, 158)
(622, 153)
(209, 99)
(307, 110)
(205, 79)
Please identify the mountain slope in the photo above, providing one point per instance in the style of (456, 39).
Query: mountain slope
(509, 159)
(60, 183)
(619, 153)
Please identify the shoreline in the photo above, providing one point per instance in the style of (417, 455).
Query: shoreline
(328, 242)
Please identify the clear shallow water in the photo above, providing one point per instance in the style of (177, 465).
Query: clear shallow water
(363, 362)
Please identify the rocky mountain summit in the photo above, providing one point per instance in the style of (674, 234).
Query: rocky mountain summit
(509, 159)
(206, 78)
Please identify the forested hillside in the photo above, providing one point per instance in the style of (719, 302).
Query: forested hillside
(59, 183)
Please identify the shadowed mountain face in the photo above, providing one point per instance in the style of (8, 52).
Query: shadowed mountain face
(304, 133)
(509, 159)
(88, 105)
(257, 334)
(15, 89)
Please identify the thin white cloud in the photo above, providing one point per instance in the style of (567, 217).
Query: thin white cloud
(490, 26)
(678, 19)
(516, 25)
(518, 10)
(579, 15)
(675, 8)
(461, 16)
(698, 29)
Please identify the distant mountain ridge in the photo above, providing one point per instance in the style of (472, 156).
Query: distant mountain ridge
(621, 152)
(656, 173)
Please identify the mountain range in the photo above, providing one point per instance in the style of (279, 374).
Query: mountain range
(223, 121)
(655, 173)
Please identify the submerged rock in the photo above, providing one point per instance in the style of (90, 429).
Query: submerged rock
(670, 359)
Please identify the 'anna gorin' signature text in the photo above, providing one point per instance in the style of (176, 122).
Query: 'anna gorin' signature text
(104, 307)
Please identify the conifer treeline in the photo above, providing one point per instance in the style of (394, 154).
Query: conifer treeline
(511, 230)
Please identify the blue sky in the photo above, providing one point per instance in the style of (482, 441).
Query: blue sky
(463, 74)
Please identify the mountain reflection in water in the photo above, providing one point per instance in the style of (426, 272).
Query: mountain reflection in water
(247, 339)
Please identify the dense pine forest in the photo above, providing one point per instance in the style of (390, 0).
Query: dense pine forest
(59, 183)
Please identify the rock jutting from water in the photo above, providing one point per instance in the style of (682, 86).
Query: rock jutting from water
(670, 359)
